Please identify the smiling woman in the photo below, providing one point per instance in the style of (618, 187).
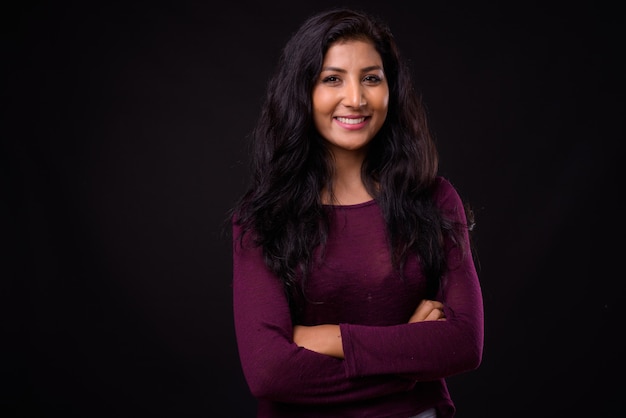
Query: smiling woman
(354, 288)
(351, 95)
(350, 102)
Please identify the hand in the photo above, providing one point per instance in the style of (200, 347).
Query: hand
(428, 310)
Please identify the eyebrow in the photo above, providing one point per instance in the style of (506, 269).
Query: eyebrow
(341, 70)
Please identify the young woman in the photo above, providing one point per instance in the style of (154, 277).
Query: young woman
(354, 288)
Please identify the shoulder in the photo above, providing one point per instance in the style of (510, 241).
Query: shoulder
(442, 188)
(445, 195)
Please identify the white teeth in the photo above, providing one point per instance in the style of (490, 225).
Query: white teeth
(350, 121)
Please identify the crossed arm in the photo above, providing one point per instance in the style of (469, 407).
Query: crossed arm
(326, 338)
(338, 363)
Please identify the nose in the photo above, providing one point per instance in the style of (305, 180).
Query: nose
(354, 95)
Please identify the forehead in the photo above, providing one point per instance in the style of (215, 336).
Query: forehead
(350, 52)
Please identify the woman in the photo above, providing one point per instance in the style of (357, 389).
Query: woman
(354, 288)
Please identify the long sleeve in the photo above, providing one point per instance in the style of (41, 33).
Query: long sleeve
(428, 350)
(275, 368)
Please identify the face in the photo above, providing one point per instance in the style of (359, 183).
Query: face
(351, 96)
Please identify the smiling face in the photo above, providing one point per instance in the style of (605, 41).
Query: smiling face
(351, 96)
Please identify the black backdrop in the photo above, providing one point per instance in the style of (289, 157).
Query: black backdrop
(123, 146)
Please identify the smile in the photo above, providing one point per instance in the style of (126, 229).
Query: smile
(351, 121)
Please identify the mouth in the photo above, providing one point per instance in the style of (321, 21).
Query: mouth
(351, 121)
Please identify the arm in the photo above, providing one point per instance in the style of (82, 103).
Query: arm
(274, 366)
(326, 339)
(440, 339)
(428, 350)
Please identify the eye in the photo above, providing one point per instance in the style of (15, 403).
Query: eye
(331, 79)
(372, 79)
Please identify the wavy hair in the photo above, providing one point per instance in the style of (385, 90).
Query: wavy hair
(291, 165)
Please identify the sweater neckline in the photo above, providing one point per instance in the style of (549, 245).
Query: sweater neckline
(352, 206)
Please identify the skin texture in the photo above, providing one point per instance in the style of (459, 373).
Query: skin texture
(350, 103)
(351, 85)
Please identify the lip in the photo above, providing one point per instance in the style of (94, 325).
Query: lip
(352, 122)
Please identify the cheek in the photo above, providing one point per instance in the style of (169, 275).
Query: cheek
(383, 101)
(322, 103)
(318, 114)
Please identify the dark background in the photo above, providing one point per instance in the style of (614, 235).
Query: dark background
(123, 146)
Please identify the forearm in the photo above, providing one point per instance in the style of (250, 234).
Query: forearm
(323, 339)
(274, 366)
(326, 338)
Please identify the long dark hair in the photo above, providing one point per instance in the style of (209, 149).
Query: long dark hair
(290, 163)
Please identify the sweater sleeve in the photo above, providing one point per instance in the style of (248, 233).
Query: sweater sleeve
(432, 349)
(275, 368)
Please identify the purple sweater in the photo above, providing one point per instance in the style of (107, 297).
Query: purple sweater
(391, 368)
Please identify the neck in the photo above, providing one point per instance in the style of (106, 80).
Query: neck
(348, 186)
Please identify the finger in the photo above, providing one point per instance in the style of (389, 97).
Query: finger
(424, 310)
(434, 315)
(435, 304)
